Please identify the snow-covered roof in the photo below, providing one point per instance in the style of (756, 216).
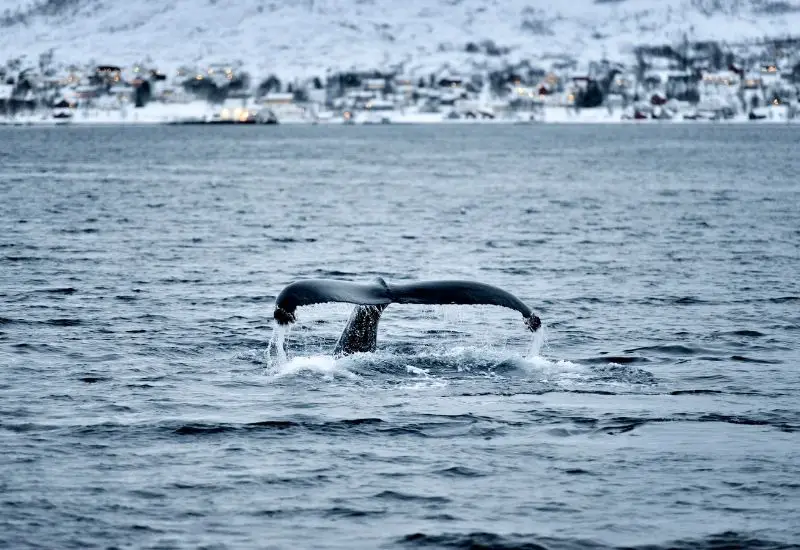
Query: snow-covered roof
(379, 104)
(278, 97)
(360, 94)
(375, 83)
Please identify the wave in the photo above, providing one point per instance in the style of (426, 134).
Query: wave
(616, 359)
(460, 471)
(396, 495)
(553, 421)
(695, 300)
(674, 349)
(744, 332)
(64, 322)
(94, 379)
(479, 539)
(745, 359)
(615, 425)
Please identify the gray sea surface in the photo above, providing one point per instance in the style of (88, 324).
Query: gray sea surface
(140, 407)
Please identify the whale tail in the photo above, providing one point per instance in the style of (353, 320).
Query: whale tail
(371, 299)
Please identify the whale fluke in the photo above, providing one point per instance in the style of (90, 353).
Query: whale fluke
(360, 334)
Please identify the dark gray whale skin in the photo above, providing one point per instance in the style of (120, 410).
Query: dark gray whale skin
(360, 334)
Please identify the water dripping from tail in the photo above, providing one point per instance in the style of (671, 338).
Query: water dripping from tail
(276, 348)
(538, 339)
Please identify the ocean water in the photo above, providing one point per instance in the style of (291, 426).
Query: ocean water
(140, 406)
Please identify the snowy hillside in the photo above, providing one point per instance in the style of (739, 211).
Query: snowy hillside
(308, 37)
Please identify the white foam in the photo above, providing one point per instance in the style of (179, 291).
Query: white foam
(422, 379)
(463, 359)
(326, 365)
(411, 369)
(555, 371)
(279, 365)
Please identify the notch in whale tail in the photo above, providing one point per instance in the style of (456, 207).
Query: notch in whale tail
(371, 299)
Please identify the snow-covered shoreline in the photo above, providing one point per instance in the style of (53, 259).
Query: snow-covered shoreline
(50, 123)
(159, 114)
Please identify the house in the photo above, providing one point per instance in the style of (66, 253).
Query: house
(122, 91)
(314, 91)
(621, 84)
(356, 99)
(63, 109)
(584, 92)
(753, 95)
(721, 87)
(106, 74)
(172, 94)
(283, 107)
(86, 92)
(404, 86)
(524, 92)
(752, 81)
(682, 86)
(525, 99)
(342, 83)
(721, 79)
(375, 84)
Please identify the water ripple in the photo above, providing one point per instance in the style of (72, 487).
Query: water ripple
(141, 405)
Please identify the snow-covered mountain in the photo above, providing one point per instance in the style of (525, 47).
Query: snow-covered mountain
(309, 37)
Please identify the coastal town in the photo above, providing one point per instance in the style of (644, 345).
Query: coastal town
(690, 81)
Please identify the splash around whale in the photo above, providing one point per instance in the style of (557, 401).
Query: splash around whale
(371, 299)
